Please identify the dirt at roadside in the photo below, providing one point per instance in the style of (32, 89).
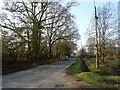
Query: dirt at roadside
(74, 83)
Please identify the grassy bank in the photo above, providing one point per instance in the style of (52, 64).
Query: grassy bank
(105, 76)
(77, 67)
(93, 78)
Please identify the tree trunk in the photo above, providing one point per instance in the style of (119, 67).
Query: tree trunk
(50, 51)
(103, 53)
(35, 37)
(103, 45)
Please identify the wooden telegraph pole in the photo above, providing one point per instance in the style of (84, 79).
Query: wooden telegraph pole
(96, 36)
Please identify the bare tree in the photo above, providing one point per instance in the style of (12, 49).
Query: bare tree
(61, 26)
(91, 46)
(106, 25)
(37, 25)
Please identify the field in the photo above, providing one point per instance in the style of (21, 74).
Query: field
(106, 76)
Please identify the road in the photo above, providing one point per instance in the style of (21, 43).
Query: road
(44, 76)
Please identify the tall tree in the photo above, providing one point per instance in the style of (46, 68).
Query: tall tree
(33, 26)
(61, 26)
(106, 25)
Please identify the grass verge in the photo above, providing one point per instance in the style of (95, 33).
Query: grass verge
(77, 67)
(93, 78)
(105, 76)
(113, 63)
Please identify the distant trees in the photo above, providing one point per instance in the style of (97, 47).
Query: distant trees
(31, 29)
(91, 46)
(107, 28)
(111, 48)
(64, 47)
(82, 53)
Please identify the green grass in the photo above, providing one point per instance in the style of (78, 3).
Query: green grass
(113, 63)
(105, 76)
(116, 78)
(77, 67)
(89, 60)
(92, 68)
(93, 78)
(107, 71)
(103, 70)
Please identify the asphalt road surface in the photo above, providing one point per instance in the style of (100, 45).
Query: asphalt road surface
(44, 76)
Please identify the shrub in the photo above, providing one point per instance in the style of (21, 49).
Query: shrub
(116, 57)
(109, 57)
(112, 57)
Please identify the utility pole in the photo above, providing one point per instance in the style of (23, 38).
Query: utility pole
(96, 36)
